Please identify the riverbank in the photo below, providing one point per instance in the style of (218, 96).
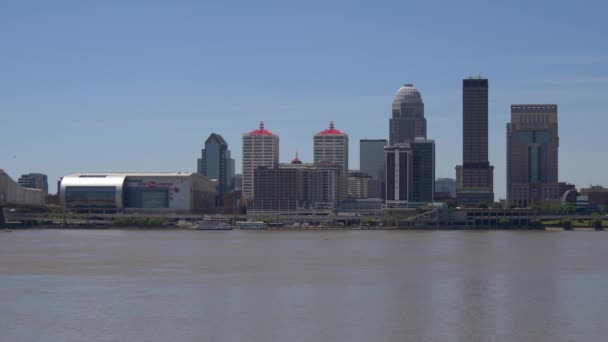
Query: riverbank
(324, 228)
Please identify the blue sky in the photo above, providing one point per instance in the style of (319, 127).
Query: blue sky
(139, 85)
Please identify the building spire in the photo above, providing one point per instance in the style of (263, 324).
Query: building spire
(296, 160)
(261, 125)
(331, 125)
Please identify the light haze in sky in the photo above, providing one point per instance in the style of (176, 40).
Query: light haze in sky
(139, 85)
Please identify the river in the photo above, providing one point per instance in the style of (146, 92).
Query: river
(112, 285)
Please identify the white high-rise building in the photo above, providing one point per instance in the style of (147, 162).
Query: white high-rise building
(331, 145)
(260, 148)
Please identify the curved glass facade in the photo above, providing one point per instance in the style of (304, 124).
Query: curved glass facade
(101, 197)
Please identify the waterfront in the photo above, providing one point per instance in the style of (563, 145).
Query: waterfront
(113, 285)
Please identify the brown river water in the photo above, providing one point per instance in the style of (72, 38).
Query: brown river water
(112, 285)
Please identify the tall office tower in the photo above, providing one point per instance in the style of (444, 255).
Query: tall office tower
(475, 175)
(35, 181)
(215, 163)
(410, 173)
(407, 121)
(399, 175)
(423, 158)
(371, 161)
(532, 154)
(260, 148)
(331, 145)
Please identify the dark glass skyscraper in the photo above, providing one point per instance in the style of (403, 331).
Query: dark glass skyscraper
(475, 178)
(423, 152)
(215, 162)
(399, 175)
(410, 173)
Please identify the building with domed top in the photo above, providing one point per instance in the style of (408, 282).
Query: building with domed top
(407, 122)
(409, 157)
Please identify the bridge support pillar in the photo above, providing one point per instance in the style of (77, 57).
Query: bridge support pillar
(2, 221)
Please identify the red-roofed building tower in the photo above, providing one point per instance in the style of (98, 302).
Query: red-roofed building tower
(331, 145)
(260, 149)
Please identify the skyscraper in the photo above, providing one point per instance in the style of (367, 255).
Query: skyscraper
(423, 170)
(331, 145)
(532, 154)
(407, 121)
(260, 148)
(410, 173)
(476, 175)
(410, 157)
(399, 175)
(215, 162)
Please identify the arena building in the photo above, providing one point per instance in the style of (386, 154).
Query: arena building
(137, 193)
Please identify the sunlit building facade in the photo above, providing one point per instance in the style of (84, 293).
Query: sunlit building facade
(331, 145)
(532, 154)
(260, 149)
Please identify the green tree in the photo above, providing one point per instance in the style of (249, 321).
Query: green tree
(365, 221)
(390, 220)
(265, 219)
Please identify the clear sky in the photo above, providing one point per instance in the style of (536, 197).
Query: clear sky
(139, 85)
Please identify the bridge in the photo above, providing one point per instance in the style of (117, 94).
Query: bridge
(13, 195)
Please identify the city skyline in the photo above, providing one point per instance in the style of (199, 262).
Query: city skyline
(138, 96)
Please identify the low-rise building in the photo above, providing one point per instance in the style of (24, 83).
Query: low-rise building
(34, 181)
(597, 197)
(137, 193)
(276, 190)
(297, 186)
(362, 185)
